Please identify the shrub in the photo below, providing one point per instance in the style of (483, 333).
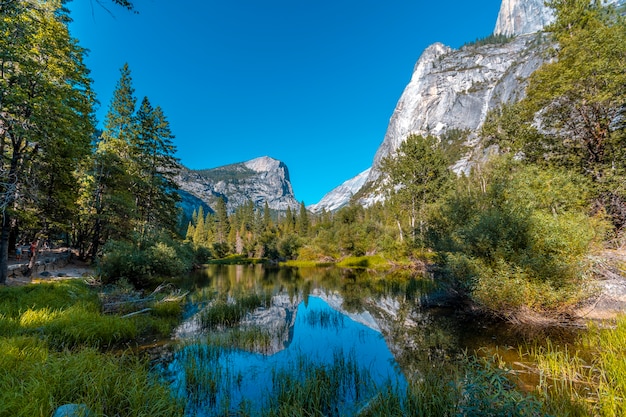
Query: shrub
(515, 235)
(141, 263)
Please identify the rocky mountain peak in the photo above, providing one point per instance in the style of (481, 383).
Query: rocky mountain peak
(521, 17)
(259, 180)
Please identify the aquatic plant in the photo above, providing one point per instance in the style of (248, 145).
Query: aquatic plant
(224, 313)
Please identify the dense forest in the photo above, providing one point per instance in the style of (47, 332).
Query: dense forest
(516, 232)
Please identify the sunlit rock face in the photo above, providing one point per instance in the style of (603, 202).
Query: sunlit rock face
(520, 17)
(453, 90)
(260, 180)
(340, 196)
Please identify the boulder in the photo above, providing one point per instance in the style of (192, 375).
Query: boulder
(73, 410)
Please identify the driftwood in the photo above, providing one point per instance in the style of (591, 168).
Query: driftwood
(135, 313)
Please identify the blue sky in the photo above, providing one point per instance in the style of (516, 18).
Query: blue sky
(311, 83)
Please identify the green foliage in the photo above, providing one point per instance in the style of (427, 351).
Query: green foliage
(47, 104)
(416, 176)
(142, 262)
(155, 187)
(587, 379)
(515, 235)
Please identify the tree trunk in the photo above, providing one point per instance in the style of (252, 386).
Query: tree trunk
(400, 230)
(4, 248)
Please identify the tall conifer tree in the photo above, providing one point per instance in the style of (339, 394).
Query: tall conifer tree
(156, 195)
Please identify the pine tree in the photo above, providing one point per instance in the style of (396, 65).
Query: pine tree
(222, 224)
(153, 151)
(114, 206)
(303, 221)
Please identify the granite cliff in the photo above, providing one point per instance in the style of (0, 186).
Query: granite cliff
(452, 90)
(259, 180)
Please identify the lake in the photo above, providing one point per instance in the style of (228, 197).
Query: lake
(257, 340)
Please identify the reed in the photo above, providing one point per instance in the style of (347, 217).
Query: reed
(248, 338)
(307, 388)
(223, 313)
(588, 379)
(325, 319)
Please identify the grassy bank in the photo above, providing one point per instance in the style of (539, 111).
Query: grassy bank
(58, 348)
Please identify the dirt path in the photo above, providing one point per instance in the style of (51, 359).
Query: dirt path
(51, 264)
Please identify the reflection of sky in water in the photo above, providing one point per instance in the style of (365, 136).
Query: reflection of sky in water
(319, 333)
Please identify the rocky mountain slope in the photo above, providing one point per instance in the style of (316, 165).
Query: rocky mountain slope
(340, 195)
(451, 91)
(260, 180)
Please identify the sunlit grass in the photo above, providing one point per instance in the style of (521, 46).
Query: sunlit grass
(35, 381)
(53, 338)
(370, 262)
(588, 379)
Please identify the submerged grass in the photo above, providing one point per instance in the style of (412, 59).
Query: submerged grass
(307, 388)
(224, 313)
(588, 379)
(249, 338)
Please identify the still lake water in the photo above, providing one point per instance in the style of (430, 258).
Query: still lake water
(253, 336)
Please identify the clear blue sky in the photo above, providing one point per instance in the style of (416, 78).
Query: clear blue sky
(311, 83)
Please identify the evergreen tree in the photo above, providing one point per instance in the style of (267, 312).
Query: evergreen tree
(112, 206)
(222, 224)
(155, 193)
(267, 216)
(200, 235)
(303, 221)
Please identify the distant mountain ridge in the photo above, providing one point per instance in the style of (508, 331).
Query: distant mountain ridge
(259, 180)
(452, 90)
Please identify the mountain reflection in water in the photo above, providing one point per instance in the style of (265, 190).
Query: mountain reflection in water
(321, 337)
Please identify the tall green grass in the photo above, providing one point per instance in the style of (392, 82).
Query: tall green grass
(35, 381)
(223, 313)
(68, 314)
(588, 379)
(53, 338)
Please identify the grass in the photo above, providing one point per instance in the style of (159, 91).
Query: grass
(35, 381)
(370, 262)
(306, 388)
(236, 260)
(588, 379)
(54, 345)
(223, 313)
(306, 264)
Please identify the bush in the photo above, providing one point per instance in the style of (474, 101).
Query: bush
(518, 241)
(141, 263)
